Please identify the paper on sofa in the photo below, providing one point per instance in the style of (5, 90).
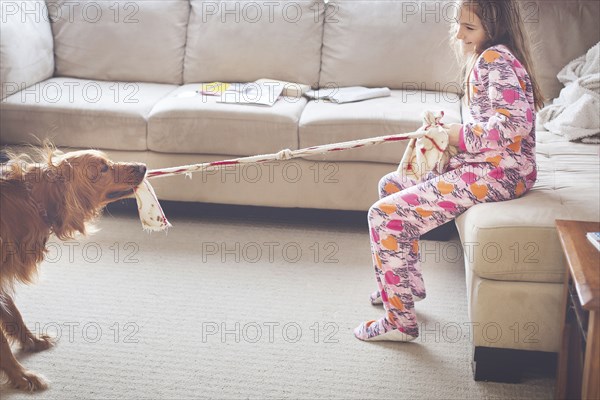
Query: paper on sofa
(348, 94)
(263, 93)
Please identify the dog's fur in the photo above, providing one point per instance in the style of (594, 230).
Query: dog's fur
(58, 195)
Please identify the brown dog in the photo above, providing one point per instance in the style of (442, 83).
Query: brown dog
(38, 199)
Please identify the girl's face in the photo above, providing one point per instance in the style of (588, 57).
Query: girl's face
(470, 30)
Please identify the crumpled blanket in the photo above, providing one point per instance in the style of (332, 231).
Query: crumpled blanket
(575, 113)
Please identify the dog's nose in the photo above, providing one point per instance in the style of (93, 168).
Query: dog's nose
(141, 169)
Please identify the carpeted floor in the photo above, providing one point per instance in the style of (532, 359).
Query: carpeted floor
(243, 304)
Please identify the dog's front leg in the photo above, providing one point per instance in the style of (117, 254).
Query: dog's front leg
(18, 376)
(15, 327)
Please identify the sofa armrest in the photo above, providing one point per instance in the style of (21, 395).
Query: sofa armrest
(26, 45)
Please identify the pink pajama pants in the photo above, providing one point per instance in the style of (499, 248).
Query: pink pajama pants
(408, 209)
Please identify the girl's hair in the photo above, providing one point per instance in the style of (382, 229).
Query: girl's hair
(503, 24)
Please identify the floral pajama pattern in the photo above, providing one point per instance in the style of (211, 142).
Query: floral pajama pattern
(496, 163)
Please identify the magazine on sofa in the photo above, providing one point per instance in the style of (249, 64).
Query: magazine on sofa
(261, 92)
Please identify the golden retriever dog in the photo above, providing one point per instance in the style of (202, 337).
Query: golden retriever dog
(57, 196)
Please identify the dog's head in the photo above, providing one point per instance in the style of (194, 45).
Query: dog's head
(94, 179)
(73, 188)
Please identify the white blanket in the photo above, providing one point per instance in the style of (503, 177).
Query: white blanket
(575, 114)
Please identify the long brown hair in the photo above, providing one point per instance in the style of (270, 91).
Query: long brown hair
(503, 24)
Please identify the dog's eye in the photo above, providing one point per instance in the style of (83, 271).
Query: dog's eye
(104, 168)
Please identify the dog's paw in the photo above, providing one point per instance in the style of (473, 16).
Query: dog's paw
(29, 381)
(38, 343)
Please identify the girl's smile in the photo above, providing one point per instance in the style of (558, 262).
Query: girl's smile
(471, 33)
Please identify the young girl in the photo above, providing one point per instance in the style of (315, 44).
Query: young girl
(496, 161)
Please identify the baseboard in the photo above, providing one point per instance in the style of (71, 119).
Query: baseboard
(510, 365)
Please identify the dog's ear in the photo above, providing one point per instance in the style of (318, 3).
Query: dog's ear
(60, 171)
(51, 186)
(78, 206)
(51, 191)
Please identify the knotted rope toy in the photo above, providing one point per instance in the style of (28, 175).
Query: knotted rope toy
(429, 152)
(427, 149)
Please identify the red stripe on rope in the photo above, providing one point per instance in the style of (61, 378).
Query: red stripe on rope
(224, 163)
(159, 173)
(435, 144)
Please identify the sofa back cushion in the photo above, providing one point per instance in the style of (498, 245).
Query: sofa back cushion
(398, 44)
(241, 41)
(560, 31)
(26, 55)
(404, 44)
(141, 41)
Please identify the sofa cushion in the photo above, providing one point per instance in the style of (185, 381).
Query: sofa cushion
(242, 41)
(516, 240)
(198, 124)
(131, 41)
(578, 21)
(496, 308)
(398, 44)
(26, 54)
(323, 122)
(81, 113)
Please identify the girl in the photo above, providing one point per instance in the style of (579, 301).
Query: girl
(496, 161)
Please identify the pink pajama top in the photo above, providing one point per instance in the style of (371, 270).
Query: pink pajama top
(501, 127)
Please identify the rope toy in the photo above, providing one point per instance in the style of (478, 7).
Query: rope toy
(429, 137)
(430, 152)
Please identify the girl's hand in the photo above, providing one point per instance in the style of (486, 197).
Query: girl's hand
(454, 134)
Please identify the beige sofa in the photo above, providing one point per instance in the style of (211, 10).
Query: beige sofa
(117, 76)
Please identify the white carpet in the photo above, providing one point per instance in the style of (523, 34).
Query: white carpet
(236, 306)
